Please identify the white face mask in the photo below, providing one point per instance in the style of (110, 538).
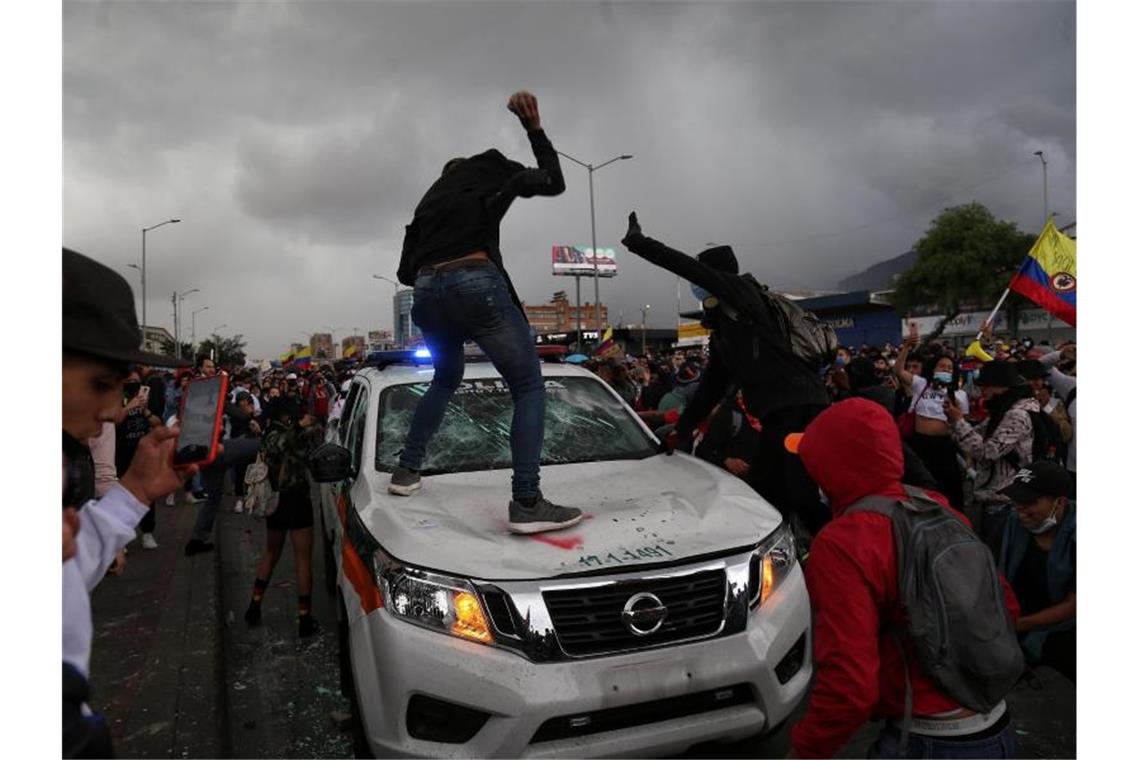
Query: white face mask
(1046, 525)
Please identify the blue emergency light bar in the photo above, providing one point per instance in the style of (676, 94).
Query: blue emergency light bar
(422, 356)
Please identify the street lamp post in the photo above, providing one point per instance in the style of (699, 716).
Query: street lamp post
(143, 270)
(1044, 182)
(194, 327)
(590, 169)
(178, 321)
(644, 312)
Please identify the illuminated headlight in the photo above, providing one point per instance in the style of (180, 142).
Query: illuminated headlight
(439, 602)
(771, 562)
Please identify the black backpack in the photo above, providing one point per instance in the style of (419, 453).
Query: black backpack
(1048, 443)
(955, 606)
(809, 338)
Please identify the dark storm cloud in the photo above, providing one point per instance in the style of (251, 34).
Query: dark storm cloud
(296, 138)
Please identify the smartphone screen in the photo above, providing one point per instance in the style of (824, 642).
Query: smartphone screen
(201, 419)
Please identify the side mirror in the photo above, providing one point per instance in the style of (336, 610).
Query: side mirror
(330, 463)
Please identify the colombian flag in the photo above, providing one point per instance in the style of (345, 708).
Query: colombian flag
(304, 357)
(286, 357)
(1048, 276)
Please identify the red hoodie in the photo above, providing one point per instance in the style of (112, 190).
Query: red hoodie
(853, 450)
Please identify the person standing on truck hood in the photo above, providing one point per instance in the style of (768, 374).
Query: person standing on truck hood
(451, 256)
(853, 451)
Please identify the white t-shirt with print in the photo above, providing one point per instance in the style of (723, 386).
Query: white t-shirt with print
(927, 400)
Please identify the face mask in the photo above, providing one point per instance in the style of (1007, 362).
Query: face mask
(943, 377)
(840, 360)
(130, 390)
(1046, 525)
(699, 293)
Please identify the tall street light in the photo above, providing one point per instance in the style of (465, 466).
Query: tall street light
(1044, 182)
(590, 168)
(644, 312)
(194, 327)
(178, 321)
(143, 270)
(395, 290)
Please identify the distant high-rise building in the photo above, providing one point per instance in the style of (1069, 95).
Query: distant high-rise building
(353, 341)
(322, 346)
(561, 316)
(407, 334)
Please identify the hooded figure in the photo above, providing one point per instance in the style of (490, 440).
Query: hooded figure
(750, 346)
(853, 450)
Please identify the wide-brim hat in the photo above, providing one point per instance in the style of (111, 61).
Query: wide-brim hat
(998, 374)
(99, 315)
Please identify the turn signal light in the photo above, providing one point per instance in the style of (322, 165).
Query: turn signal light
(469, 620)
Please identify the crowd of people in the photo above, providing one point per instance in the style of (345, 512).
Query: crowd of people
(852, 446)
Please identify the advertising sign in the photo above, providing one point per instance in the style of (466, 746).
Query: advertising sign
(571, 260)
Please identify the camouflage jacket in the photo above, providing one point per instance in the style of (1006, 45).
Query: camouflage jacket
(284, 449)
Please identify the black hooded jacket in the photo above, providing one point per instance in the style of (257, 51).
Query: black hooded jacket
(461, 212)
(780, 382)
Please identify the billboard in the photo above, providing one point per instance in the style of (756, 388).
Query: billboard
(572, 260)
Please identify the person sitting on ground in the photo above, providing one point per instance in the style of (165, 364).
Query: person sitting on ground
(1039, 556)
(861, 672)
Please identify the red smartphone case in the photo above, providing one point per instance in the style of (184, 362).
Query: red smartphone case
(214, 435)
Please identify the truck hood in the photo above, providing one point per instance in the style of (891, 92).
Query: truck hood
(664, 509)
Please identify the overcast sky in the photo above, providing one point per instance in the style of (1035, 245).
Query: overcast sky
(295, 139)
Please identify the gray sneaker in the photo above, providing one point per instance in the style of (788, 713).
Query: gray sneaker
(542, 517)
(404, 482)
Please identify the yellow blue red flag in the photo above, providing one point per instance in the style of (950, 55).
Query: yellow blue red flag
(1048, 276)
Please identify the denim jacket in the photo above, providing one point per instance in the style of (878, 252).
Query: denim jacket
(1061, 566)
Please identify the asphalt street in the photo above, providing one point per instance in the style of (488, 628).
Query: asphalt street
(178, 673)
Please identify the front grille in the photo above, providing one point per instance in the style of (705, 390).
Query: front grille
(616, 718)
(588, 621)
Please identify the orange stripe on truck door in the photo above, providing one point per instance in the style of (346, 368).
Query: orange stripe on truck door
(353, 567)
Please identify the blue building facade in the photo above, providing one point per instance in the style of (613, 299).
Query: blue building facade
(858, 317)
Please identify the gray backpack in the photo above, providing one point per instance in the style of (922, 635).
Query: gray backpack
(810, 339)
(956, 615)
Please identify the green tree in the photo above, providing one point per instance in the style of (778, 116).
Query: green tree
(967, 257)
(227, 351)
(187, 349)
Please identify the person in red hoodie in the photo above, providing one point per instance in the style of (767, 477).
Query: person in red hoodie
(853, 450)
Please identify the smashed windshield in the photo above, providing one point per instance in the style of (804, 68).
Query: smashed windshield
(584, 423)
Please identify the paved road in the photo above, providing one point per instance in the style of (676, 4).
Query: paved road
(179, 674)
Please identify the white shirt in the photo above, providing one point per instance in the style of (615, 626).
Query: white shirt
(106, 525)
(928, 400)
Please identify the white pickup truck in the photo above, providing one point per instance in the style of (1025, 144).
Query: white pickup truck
(675, 613)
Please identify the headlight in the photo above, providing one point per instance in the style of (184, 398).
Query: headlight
(771, 562)
(439, 602)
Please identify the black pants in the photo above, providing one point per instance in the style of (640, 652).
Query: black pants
(780, 477)
(146, 525)
(1060, 653)
(940, 455)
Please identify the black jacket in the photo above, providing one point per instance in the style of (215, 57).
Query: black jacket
(781, 381)
(461, 212)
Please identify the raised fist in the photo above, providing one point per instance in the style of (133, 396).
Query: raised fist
(634, 226)
(524, 105)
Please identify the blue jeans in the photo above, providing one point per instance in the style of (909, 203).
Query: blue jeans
(1000, 745)
(473, 303)
(239, 452)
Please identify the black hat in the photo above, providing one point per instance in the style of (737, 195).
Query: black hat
(998, 374)
(243, 396)
(99, 314)
(1032, 369)
(1039, 479)
(720, 257)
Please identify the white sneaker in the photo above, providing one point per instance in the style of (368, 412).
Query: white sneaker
(170, 500)
(239, 506)
(148, 541)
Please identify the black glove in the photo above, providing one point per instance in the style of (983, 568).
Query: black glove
(634, 227)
